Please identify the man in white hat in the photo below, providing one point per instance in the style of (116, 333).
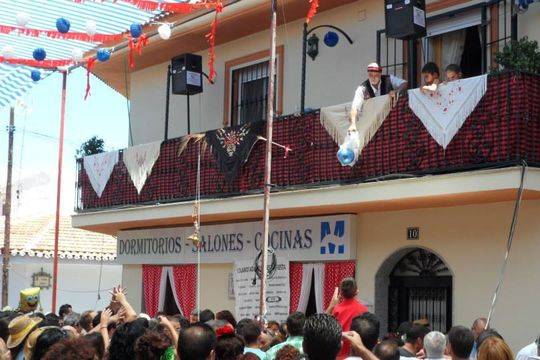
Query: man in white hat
(377, 84)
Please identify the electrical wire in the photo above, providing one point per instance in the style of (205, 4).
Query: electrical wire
(100, 273)
(21, 159)
(200, 112)
(46, 136)
(285, 27)
(508, 243)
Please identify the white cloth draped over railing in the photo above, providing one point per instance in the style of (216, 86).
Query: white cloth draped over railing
(139, 161)
(335, 119)
(444, 112)
(99, 167)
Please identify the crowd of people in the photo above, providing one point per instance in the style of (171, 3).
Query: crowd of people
(346, 331)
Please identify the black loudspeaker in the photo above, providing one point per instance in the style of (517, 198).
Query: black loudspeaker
(186, 72)
(405, 18)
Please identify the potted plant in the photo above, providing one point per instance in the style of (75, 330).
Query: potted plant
(520, 56)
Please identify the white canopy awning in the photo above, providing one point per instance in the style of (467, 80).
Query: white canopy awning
(110, 17)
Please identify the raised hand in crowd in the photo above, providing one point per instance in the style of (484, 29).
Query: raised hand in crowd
(171, 331)
(119, 297)
(104, 326)
(335, 300)
(358, 346)
(119, 317)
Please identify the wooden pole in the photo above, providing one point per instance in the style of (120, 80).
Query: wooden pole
(58, 191)
(7, 211)
(268, 163)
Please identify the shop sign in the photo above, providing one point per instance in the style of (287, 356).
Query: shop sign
(321, 238)
(247, 286)
(41, 279)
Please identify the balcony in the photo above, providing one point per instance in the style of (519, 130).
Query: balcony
(503, 130)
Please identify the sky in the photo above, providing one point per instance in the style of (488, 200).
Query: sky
(37, 121)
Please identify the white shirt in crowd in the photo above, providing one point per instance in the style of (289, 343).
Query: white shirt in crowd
(528, 352)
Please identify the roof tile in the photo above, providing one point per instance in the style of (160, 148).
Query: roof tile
(35, 237)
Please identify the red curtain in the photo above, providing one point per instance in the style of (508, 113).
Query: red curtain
(151, 275)
(184, 281)
(295, 279)
(334, 272)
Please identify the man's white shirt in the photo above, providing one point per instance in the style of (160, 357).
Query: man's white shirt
(359, 93)
(528, 352)
(394, 80)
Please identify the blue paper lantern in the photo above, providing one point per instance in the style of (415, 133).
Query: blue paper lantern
(62, 25)
(135, 30)
(345, 155)
(331, 39)
(35, 75)
(39, 54)
(103, 55)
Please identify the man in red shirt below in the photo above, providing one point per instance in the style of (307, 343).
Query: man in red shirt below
(347, 309)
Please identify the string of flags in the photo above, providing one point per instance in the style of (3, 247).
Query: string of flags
(135, 37)
(230, 147)
(136, 40)
(151, 5)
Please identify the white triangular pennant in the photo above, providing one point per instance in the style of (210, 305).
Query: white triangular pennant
(139, 161)
(99, 167)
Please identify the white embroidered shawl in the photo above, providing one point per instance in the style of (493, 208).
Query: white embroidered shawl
(99, 167)
(335, 119)
(139, 161)
(444, 112)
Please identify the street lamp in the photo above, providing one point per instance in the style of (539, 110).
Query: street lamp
(311, 47)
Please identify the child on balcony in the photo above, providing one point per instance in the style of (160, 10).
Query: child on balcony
(453, 72)
(430, 74)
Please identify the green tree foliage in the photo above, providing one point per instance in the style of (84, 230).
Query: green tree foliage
(520, 56)
(92, 146)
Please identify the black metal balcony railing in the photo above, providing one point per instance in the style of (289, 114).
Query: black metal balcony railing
(503, 130)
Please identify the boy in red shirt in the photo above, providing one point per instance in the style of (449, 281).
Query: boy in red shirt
(347, 309)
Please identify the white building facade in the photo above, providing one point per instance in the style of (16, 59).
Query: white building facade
(409, 200)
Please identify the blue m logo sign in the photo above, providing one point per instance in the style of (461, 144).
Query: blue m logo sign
(332, 239)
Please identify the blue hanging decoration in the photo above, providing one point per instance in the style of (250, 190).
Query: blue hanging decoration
(35, 75)
(62, 25)
(345, 156)
(39, 54)
(349, 151)
(135, 30)
(331, 38)
(103, 55)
